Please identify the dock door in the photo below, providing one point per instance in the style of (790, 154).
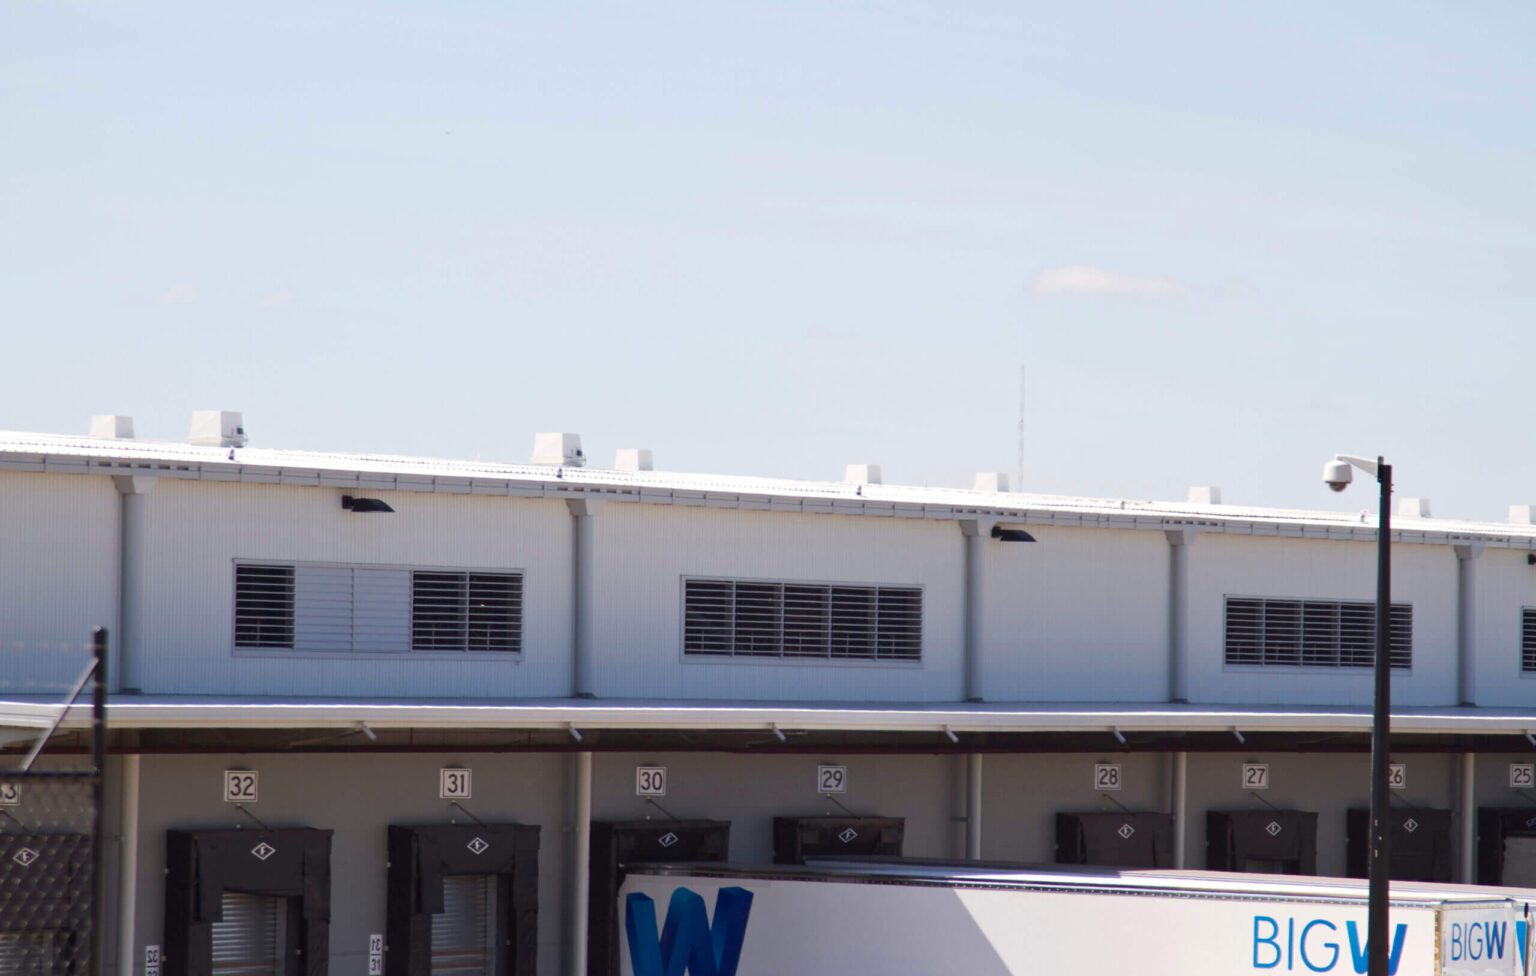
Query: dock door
(639, 842)
(463, 900)
(797, 838)
(247, 902)
(1115, 840)
(1506, 847)
(1261, 841)
(1420, 843)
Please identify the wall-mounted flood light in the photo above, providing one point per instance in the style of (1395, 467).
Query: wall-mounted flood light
(1011, 535)
(360, 505)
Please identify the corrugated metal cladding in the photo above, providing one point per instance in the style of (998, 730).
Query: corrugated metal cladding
(646, 552)
(58, 576)
(1079, 615)
(198, 531)
(1506, 585)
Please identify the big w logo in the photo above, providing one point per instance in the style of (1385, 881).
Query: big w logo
(688, 943)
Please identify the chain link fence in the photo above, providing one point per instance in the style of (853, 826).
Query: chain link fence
(50, 840)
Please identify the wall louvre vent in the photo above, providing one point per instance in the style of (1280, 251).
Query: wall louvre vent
(1313, 633)
(466, 611)
(1528, 640)
(263, 606)
(745, 618)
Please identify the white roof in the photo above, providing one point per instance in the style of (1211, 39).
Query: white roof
(380, 472)
(152, 711)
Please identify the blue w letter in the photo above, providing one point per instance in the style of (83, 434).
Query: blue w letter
(688, 943)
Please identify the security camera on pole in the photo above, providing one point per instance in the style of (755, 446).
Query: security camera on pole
(1338, 474)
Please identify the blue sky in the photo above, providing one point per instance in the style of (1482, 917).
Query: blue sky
(1225, 240)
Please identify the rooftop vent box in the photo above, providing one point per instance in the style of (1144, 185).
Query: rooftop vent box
(113, 426)
(1204, 495)
(217, 428)
(995, 481)
(862, 474)
(561, 450)
(1413, 508)
(633, 459)
(1522, 514)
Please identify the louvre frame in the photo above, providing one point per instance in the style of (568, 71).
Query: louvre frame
(801, 620)
(1291, 632)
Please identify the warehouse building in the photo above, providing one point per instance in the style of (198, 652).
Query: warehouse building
(407, 716)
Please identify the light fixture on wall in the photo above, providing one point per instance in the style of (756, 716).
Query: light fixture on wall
(361, 505)
(1011, 535)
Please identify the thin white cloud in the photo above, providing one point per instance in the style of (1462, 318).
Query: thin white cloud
(275, 299)
(1086, 279)
(179, 295)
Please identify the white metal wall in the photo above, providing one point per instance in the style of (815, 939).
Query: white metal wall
(1082, 615)
(1079, 615)
(1223, 565)
(199, 530)
(58, 576)
(644, 551)
(1505, 583)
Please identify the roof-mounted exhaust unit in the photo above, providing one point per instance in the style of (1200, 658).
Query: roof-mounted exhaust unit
(558, 450)
(217, 428)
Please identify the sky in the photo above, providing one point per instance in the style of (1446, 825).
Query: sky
(1222, 241)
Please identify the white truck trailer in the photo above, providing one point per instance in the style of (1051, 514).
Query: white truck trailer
(903, 919)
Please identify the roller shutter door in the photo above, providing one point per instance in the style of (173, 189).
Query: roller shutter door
(27, 953)
(462, 932)
(248, 941)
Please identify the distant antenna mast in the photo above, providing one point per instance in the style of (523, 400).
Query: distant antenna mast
(1018, 473)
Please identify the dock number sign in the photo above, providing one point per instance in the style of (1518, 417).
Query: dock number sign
(650, 781)
(1522, 776)
(831, 779)
(1255, 776)
(455, 784)
(239, 786)
(1106, 776)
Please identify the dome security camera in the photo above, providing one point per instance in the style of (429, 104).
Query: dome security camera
(1338, 474)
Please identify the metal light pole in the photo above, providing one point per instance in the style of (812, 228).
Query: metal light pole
(1337, 474)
